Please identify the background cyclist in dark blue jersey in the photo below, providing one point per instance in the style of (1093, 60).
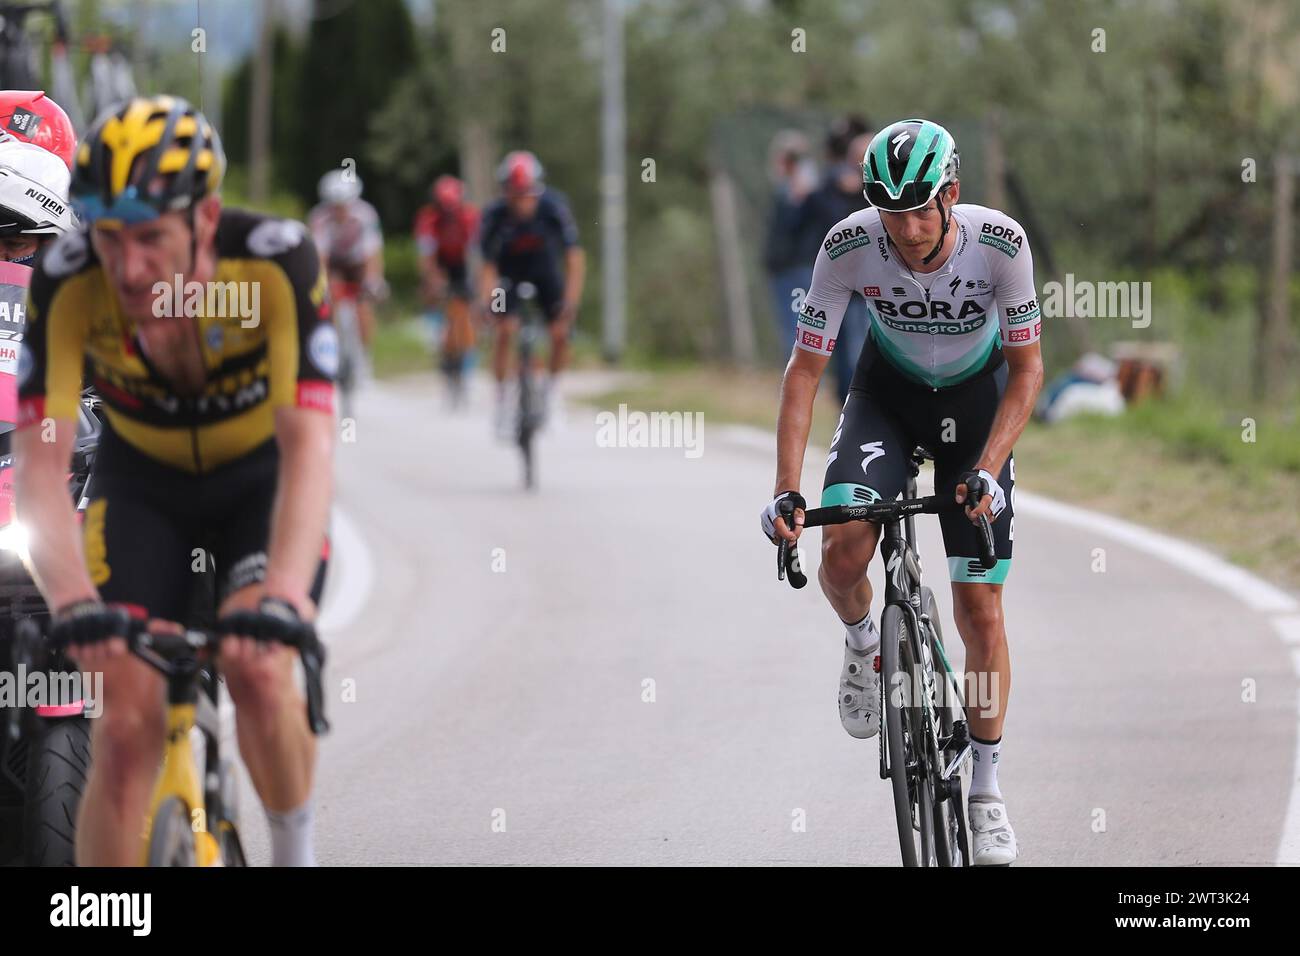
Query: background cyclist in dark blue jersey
(529, 235)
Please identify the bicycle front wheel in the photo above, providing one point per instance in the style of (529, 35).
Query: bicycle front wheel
(171, 839)
(901, 742)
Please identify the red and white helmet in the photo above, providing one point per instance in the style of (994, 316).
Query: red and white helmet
(521, 173)
(33, 191)
(33, 117)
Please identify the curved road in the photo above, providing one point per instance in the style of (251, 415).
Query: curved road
(621, 685)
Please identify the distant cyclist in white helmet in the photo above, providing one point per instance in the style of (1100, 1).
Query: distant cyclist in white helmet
(346, 231)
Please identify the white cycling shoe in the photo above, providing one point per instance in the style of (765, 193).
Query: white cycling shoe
(993, 842)
(859, 693)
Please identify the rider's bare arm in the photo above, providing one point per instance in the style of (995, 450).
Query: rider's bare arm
(488, 280)
(1024, 379)
(300, 514)
(374, 270)
(42, 501)
(575, 273)
(794, 420)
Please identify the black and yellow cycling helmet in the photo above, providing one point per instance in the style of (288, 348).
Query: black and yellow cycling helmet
(152, 154)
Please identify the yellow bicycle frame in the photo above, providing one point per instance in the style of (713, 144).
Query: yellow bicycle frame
(179, 777)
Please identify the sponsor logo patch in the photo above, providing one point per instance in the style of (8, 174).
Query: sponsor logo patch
(1018, 335)
(871, 291)
(1020, 314)
(1001, 238)
(814, 317)
(811, 339)
(323, 347)
(845, 240)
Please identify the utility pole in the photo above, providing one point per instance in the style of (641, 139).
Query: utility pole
(1276, 342)
(613, 193)
(259, 117)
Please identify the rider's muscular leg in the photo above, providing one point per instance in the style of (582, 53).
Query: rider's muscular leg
(366, 322)
(846, 552)
(270, 715)
(977, 609)
(559, 347)
(127, 741)
(501, 351)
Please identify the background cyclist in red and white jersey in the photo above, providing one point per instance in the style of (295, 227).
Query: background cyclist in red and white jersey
(443, 231)
(346, 231)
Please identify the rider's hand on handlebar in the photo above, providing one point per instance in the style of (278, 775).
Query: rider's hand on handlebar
(92, 631)
(985, 494)
(773, 522)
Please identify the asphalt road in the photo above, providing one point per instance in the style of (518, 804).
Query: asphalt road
(606, 671)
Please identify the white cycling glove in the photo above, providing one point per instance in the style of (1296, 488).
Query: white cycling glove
(981, 483)
(771, 512)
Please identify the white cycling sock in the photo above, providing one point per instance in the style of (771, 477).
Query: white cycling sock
(984, 777)
(862, 636)
(291, 843)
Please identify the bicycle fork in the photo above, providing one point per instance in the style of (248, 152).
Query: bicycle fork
(179, 777)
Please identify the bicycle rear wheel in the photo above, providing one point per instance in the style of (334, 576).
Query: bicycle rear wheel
(952, 843)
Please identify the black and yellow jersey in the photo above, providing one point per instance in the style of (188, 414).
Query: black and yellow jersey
(265, 330)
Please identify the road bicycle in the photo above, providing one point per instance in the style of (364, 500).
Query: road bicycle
(531, 410)
(925, 749)
(193, 816)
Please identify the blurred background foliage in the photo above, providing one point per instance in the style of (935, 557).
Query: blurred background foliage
(1124, 125)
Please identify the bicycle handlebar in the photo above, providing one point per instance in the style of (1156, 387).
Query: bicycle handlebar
(164, 652)
(789, 564)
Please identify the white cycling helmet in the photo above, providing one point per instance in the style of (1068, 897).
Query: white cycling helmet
(33, 191)
(339, 186)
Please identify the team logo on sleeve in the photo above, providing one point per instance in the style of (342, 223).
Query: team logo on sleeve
(1020, 314)
(845, 240)
(275, 236)
(812, 316)
(811, 339)
(323, 347)
(1001, 238)
(871, 291)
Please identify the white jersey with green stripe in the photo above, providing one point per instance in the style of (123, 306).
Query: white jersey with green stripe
(939, 327)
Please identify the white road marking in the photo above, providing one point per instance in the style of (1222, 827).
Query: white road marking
(353, 570)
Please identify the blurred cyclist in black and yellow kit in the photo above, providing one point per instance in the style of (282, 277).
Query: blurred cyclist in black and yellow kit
(219, 439)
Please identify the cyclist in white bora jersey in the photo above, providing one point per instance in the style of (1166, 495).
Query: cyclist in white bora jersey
(952, 362)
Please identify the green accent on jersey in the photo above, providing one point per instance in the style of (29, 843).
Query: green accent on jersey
(848, 493)
(970, 570)
(940, 376)
(999, 244)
